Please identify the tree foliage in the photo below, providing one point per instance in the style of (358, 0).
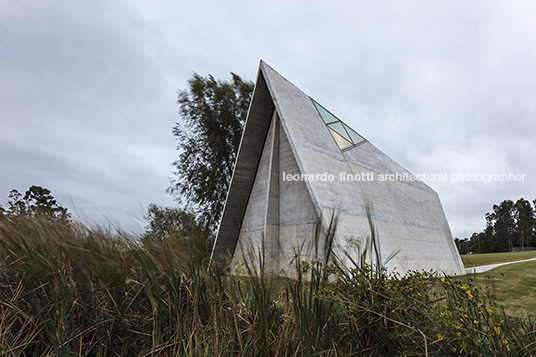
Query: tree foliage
(510, 224)
(180, 229)
(37, 202)
(213, 114)
(525, 222)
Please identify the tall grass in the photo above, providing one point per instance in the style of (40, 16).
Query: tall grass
(70, 290)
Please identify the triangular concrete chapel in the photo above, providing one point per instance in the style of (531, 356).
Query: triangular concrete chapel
(298, 165)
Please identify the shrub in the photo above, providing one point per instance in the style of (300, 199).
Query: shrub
(66, 290)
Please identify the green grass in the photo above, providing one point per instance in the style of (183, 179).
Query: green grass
(514, 290)
(472, 260)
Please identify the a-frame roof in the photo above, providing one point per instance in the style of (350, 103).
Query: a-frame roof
(255, 130)
(409, 213)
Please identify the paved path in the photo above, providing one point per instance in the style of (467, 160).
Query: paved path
(483, 268)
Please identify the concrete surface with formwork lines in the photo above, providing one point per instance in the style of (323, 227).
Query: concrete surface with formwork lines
(298, 165)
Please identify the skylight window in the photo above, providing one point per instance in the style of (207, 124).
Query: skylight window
(344, 136)
(341, 141)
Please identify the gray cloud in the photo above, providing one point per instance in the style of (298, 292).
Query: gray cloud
(88, 90)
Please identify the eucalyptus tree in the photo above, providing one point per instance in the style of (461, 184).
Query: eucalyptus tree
(213, 113)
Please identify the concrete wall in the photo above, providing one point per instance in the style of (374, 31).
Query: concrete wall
(280, 218)
(280, 215)
(408, 215)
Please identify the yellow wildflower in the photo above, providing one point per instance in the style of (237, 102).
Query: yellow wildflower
(505, 341)
(469, 295)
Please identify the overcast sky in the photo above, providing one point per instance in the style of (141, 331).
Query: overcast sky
(88, 90)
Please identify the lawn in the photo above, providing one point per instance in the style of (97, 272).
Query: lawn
(513, 286)
(472, 260)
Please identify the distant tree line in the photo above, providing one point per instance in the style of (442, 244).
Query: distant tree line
(37, 202)
(510, 224)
